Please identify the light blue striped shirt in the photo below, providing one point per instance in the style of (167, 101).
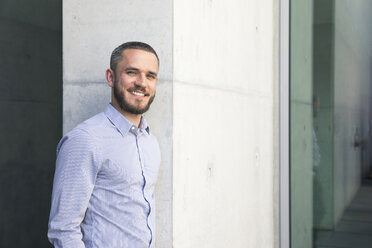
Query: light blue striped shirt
(103, 190)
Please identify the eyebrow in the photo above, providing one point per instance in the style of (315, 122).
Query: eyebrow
(153, 73)
(131, 69)
(136, 69)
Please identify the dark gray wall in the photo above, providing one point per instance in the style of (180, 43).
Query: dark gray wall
(31, 117)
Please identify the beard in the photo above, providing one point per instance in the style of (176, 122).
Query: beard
(125, 105)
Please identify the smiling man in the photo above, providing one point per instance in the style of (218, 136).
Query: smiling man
(107, 166)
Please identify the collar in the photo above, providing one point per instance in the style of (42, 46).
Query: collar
(143, 126)
(123, 124)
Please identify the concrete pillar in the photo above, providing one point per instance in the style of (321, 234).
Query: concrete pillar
(223, 123)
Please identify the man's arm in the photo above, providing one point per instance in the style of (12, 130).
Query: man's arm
(76, 170)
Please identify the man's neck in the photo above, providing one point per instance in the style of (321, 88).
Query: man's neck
(133, 118)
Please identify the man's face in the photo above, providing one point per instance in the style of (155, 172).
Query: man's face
(135, 81)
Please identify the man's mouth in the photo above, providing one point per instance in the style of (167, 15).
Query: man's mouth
(137, 93)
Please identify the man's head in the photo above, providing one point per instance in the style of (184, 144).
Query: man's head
(133, 76)
(117, 54)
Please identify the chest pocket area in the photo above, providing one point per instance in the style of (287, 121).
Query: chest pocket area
(118, 174)
(111, 172)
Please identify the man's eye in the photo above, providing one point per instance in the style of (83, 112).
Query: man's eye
(151, 76)
(131, 72)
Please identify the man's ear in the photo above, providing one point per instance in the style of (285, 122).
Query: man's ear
(110, 77)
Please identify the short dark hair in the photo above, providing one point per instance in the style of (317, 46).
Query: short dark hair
(116, 55)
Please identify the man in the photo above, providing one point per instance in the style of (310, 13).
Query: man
(106, 168)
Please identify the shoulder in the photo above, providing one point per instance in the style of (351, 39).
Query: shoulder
(86, 133)
(94, 125)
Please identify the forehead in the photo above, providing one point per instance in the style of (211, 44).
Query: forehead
(139, 59)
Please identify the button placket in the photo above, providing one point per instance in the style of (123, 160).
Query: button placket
(144, 184)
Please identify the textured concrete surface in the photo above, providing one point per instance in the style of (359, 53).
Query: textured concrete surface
(222, 191)
(81, 101)
(92, 29)
(223, 124)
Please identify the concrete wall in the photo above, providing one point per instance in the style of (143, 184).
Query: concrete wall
(301, 124)
(31, 117)
(223, 123)
(352, 93)
(214, 114)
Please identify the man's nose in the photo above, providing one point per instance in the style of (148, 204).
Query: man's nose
(141, 80)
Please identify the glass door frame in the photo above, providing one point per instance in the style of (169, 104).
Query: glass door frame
(284, 134)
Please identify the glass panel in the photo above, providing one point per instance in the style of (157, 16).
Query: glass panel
(301, 124)
(330, 108)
